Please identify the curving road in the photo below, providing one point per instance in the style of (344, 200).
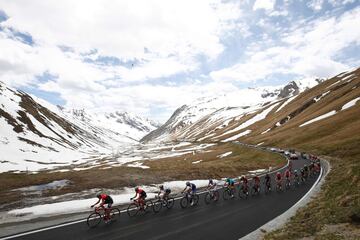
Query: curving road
(231, 219)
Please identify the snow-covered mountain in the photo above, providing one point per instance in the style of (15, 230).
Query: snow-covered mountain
(36, 135)
(223, 108)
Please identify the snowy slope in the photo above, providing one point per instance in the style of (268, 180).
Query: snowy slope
(220, 111)
(37, 135)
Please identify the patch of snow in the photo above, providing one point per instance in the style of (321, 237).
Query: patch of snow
(285, 103)
(257, 171)
(320, 97)
(349, 76)
(237, 136)
(48, 186)
(350, 104)
(196, 162)
(138, 165)
(224, 155)
(256, 118)
(266, 131)
(333, 84)
(326, 115)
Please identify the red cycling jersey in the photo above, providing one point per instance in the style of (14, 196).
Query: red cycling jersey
(278, 176)
(287, 174)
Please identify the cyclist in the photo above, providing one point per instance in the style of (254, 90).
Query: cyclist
(302, 172)
(268, 181)
(230, 183)
(287, 176)
(256, 186)
(211, 187)
(105, 199)
(306, 170)
(211, 184)
(317, 167)
(296, 177)
(164, 192)
(245, 187)
(278, 180)
(139, 197)
(190, 190)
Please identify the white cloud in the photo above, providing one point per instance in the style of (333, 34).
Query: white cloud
(264, 4)
(306, 51)
(315, 5)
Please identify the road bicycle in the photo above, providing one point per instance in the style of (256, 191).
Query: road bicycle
(228, 193)
(255, 190)
(95, 217)
(268, 188)
(279, 187)
(297, 181)
(167, 202)
(135, 207)
(192, 199)
(211, 195)
(287, 183)
(244, 191)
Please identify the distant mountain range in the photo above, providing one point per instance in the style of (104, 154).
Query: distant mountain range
(214, 113)
(35, 133)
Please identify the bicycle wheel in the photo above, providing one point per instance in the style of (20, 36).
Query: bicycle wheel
(158, 205)
(216, 196)
(195, 199)
(170, 203)
(114, 214)
(243, 194)
(226, 194)
(207, 198)
(184, 202)
(93, 219)
(149, 206)
(132, 209)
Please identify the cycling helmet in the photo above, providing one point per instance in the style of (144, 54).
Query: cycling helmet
(278, 173)
(210, 181)
(187, 183)
(161, 186)
(136, 189)
(295, 171)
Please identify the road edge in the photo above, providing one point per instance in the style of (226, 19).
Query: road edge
(280, 220)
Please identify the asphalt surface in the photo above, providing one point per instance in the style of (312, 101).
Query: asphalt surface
(225, 219)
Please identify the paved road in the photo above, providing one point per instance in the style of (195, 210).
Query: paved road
(229, 219)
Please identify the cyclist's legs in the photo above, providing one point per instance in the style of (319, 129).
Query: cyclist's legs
(107, 210)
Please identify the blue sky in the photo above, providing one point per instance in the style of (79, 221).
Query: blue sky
(150, 57)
